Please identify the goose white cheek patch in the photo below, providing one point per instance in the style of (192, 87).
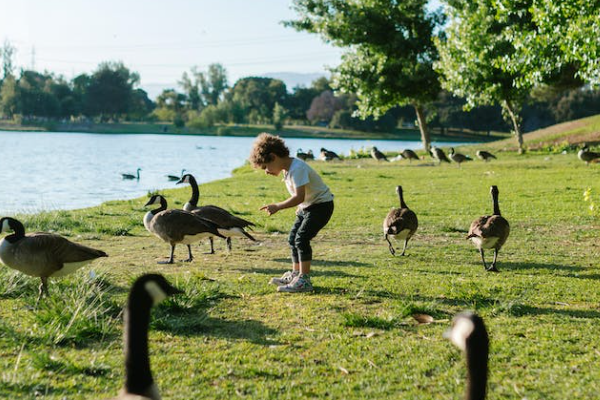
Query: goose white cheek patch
(461, 330)
(155, 292)
(5, 226)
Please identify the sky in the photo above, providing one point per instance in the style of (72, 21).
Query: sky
(162, 39)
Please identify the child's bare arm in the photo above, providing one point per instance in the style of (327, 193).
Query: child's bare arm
(293, 201)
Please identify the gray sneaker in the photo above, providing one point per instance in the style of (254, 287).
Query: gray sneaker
(300, 284)
(285, 278)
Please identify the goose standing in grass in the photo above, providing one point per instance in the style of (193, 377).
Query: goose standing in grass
(490, 231)
(177, 226)
(469, 334)
(228, 224)
(41, 254)
(586, 155)
(400, 222)
(378, 155)
(327, 155)
(409, 155)
(458, 157)
(131, 177)
(147, 291)
(175, 177)
(485, 155)
(439, 155)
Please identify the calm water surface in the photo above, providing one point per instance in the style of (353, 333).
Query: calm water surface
(49, 171)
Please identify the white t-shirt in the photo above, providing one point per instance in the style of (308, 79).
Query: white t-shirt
(301, 174)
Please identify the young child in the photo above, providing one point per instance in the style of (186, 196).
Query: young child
(312, 197)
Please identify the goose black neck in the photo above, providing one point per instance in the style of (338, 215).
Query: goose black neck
(496, 205)
(477, 367)
(401, 197)
(163, 206)
(138, 376)
(18, 228)
(195, 192)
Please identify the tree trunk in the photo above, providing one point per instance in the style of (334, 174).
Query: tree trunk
(423, 127)
(511, 112)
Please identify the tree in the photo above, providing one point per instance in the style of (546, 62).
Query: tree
(279, 116)
(257, 96)
(9, 97)
(110, 90)
(473, 59)
(389, 61)
(323, 107)
(213, 83)
(169, 105)
(561, 47)
(7, 53)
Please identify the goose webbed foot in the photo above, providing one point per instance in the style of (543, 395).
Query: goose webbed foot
(492, 268)
(190, 256)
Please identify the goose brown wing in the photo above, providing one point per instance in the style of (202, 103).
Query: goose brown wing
(175, 224)
(52, 251)
(490, 226)
(221, 217)
(399, 219)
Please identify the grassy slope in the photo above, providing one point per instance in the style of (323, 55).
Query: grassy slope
(572, 132)
(233, 336)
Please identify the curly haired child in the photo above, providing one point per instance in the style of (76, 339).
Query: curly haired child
(311, 197)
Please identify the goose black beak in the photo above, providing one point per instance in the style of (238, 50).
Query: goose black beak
(148, 203)
(179, 181)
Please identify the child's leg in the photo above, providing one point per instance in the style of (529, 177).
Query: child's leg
(314, 221)
(292, 242)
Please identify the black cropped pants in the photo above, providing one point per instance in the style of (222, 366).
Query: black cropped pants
(308, 223)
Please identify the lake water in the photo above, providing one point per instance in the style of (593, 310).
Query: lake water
(49, 171)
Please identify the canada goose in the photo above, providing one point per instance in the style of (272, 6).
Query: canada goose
(129, 176)
(177, 226)
(586, 155)
(328, 155)
(175, 177)
(409, 155)
(485, 155)
(438, 154)
(469, 334)
(228, 224)
(458, 157)
(378, 155)
(490, 231)
(42, 254)
(310, 155)
(400, 222)
(301, 155)
(146, 291)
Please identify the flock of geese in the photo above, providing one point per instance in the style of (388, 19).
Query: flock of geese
(46, 255)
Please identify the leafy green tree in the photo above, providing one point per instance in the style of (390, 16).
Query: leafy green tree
(389, 61)
(7, 52)
(213, 83)
(473, 59)
(110, 90)
(257, 96)
(169, 105)
(190, 87)
(279, 116)
(36, 97)
(9, 97)
(561, 46)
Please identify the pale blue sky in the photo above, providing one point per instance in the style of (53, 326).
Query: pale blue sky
(161, 39)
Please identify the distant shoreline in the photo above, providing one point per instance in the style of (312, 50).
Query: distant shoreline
(292, 131)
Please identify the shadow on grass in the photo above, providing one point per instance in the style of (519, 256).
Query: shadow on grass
(276, 272)
(328, 263)
(574, 271)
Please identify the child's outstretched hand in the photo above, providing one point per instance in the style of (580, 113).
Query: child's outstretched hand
(270, 209)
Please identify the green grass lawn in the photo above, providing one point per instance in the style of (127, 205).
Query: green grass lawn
(233, 336)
